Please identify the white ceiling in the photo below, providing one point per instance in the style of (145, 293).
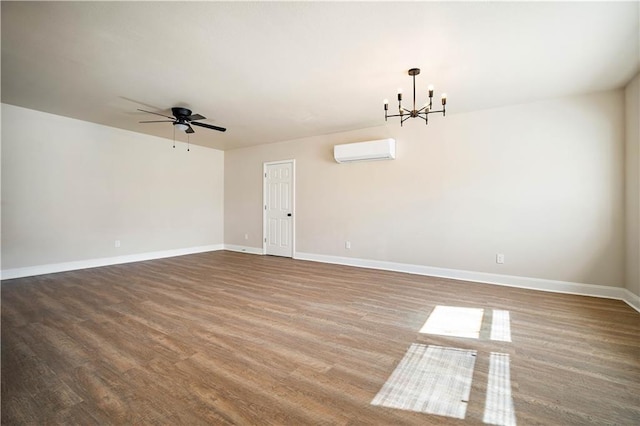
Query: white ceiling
(276, 71)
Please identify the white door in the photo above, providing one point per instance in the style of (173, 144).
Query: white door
(278, 208)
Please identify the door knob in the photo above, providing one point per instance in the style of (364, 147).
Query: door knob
(289, 214)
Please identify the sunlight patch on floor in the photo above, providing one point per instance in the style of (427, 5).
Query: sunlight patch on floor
(498, 409)
(454, 321)
(430, 379)
(501, 326)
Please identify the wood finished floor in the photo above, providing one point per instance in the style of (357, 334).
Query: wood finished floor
(231, 338)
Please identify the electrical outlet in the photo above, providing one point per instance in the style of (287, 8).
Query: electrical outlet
(117, 243)
(500, 258)
(347, 245)
(246, 236)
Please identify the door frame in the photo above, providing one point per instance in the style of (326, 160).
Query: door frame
(293, 204)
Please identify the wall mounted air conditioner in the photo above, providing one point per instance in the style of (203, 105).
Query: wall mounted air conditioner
(383, 149)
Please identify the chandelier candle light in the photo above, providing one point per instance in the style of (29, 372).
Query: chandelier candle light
(422, 112)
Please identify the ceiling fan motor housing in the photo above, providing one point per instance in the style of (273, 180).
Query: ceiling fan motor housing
(180, 113)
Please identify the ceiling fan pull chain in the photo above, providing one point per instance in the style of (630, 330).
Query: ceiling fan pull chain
(174, 136)
(188, 138)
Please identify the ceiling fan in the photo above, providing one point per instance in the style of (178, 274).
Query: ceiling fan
(183, 119)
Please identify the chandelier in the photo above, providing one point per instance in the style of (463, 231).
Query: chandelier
(423, 112)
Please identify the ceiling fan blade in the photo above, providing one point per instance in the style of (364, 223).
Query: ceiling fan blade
(189, 130)
(209, 126)
(151, 112)
(195, 117)
(156, 121)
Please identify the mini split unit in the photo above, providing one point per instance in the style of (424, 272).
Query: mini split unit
(383, 149)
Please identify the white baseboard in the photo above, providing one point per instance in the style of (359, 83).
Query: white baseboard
(482, 277)
(486, 278)
(243, 249)
(106, 261)
(632, 300)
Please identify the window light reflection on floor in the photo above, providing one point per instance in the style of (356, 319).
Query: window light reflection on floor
(430, 379)
(501, 326)
(437, 380)
(454, 321)
(498, 408)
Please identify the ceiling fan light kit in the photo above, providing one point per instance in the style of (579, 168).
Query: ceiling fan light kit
(181, 126)
(423, 112)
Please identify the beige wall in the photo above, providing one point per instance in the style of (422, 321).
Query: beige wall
(632, 157)
(541, 183)
(71, 188)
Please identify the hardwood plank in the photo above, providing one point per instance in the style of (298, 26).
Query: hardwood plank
(231, 338)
